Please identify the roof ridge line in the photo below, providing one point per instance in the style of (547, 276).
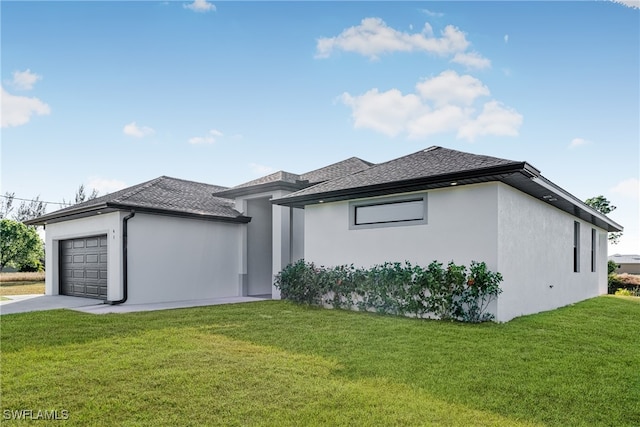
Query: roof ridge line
(191, 181)
(143, 186)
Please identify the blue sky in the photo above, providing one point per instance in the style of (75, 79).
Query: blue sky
(111, 94)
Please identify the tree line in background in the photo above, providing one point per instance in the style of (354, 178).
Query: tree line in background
(21, 247)
(604, 206)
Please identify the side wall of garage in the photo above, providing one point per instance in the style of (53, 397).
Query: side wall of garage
(106, 224)
(177, 259)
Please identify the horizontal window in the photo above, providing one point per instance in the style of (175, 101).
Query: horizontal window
(392, 211)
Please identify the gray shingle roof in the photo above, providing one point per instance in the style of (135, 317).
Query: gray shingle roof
(280, 176)
(292, 182)
(432, 162)
(163, 194)
(336, 170)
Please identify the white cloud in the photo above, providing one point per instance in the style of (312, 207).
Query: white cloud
(577, 142)
(261, 170)
(24, 80)
(105, 186)
(471, 60)
(444, 119)
(432, 14)
(450, 88)
(209, 138)
(386, 112)
(628, 188)
(373, 37)
(17, 110)
(634, 4)
(200, 6)
(506, 38)
(132, 129)
(444, 103)
(495, 119)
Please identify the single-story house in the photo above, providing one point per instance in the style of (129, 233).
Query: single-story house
(626, 263)
(169, 239)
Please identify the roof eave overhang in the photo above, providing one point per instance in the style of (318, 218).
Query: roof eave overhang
(571, 204)
(407, 186)
(241, 219)
(70, 214)
(521, 176)
(113, 207)
(262, 188)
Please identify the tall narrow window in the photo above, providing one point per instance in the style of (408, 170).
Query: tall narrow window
(593, 250)
(576, 247)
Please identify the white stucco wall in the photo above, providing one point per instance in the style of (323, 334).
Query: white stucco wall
(529, 242)
(461, 227)
(176, 259)
(109, 224)
(297, 242)
(535, 256)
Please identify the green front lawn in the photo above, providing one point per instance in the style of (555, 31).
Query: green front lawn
(275, 363)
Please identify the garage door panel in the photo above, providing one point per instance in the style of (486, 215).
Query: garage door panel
(83, 267)
(92, 290)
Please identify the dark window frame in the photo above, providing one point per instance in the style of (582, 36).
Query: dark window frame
(576, 247)
(354, 206)
(593, 250)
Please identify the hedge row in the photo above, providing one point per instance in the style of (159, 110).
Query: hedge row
(452, 293)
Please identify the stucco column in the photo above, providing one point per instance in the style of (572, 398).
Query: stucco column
(281, 246)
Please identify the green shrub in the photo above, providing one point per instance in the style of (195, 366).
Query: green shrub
(624, 293)
(611, 267)
(454, 293)
(614, 283)
(623, 282)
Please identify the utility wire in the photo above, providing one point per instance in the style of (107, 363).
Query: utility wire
(32, 200)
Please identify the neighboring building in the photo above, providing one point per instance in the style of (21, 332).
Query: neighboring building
(626, 263)
(169, 239)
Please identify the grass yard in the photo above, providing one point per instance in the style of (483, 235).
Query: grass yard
(275, 363)
(21, 288)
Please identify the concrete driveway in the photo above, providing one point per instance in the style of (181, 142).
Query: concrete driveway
(25, 303)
